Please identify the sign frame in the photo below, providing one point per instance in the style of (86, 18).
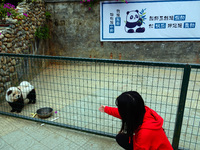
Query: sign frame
(189, 29)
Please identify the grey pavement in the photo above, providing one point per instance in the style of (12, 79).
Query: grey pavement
(21, 134)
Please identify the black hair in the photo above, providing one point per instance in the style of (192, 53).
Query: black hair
(131, 109)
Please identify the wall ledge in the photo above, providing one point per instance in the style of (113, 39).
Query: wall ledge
(58, 1)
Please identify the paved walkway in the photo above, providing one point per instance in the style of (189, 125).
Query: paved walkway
(20, 134)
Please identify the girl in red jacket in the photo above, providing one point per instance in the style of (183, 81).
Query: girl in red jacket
(141, 126)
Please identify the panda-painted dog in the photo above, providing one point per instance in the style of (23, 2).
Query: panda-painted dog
(15, 96)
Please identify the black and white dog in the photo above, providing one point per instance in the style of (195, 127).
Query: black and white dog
(15, 96)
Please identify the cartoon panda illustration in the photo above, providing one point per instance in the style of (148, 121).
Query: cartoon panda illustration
(133, 22)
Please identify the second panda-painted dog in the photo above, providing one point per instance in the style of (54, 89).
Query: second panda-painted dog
(15, 96)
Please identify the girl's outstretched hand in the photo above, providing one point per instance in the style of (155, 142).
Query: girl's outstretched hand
(101, 108)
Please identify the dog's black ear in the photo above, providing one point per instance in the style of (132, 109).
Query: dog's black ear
(9, 92)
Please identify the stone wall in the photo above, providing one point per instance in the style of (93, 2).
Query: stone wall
(19, 39)
(76, 33)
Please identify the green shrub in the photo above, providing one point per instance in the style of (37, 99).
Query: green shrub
(42, 32)
(48, 15)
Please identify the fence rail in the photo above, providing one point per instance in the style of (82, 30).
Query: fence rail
(76, 87)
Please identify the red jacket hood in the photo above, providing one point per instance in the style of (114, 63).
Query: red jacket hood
(151, 120)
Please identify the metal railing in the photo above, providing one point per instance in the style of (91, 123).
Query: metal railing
(76, 87)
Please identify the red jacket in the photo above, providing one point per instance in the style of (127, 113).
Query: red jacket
(150, 135)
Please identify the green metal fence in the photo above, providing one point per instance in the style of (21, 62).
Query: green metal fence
(76, 87)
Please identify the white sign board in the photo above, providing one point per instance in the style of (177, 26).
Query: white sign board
(175, 20)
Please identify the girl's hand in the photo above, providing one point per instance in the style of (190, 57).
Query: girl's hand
(101, 108)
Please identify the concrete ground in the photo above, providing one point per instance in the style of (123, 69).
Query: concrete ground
(20, 134)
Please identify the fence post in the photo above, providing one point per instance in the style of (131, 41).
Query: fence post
(181, 107)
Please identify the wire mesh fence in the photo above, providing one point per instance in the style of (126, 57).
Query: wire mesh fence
(76, 87)
(190, 133)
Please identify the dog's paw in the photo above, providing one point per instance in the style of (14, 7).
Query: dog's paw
(18, 111)
(13, 110)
